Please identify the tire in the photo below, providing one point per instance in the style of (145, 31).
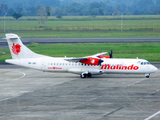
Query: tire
(83, 75)
(147, 75)
(89, 75)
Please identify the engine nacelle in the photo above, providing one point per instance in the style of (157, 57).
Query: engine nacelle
(91, 61)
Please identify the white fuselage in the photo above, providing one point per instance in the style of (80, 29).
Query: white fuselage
(52, 64)
(85, 66)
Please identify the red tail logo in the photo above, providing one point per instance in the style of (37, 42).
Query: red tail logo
(16, 49)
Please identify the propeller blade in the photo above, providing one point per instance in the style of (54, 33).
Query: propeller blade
(111, 54)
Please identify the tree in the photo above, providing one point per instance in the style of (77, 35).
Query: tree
(47, 14)
(95, 5)
(4, 8)
(53, 10)
(59, 16)
(44, 13)
(101, 11)
(31, 11)
(19, 9)
(16, 15)
(10, 11)
(143, 5)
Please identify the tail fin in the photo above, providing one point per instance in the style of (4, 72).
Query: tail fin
(18, 49)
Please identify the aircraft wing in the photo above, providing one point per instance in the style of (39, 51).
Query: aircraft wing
(76, 59)
(90, 60)
(85, 58)
(98, 54)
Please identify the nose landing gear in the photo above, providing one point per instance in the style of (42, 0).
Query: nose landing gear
(147, 75)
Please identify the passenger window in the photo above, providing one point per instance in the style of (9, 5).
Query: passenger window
(144, 63)
(141, 63)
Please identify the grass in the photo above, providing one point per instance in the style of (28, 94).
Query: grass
(70, 34)
(84, 26)
(137, 17)
(120, 50)
(32, 24)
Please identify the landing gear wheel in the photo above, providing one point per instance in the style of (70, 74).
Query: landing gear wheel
(89, 75)
(147, 75)
(83, 75)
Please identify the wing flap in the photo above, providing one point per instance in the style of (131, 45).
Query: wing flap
(98, 54)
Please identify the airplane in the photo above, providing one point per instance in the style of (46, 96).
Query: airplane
(85, 66)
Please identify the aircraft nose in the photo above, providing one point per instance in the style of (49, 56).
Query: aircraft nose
(154, 68)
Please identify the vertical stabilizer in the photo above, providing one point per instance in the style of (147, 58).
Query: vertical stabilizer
(17, 49)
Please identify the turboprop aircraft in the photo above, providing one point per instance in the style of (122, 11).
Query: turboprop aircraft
(85, 66)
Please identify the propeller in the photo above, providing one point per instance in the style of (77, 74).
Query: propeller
(111, 54)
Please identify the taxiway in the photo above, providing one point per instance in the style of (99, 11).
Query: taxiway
(26, 41)
(28, 94)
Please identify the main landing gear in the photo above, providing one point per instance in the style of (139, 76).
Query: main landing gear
(147, 75)
(84, 75)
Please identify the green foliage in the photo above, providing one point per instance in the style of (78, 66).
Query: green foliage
(149, 51)
(16, 15)
(90, 7)
(48, 12)
(59, 16)
(19, 9)
(3, 8)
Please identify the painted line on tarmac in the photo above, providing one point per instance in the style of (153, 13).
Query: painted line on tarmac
(152, 116)
(14, 77)
(140, 81)
(136, 82)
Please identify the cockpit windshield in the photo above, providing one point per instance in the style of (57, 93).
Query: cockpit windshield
(145, 63)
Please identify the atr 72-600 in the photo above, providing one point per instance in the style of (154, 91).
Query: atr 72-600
(85, 66)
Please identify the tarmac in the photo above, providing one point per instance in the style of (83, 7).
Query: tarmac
(27, 94)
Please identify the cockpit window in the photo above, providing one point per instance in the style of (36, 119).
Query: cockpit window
(148, 63)
(145, 63)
